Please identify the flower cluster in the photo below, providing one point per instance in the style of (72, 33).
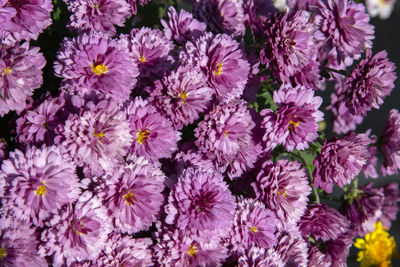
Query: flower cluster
(198, 139)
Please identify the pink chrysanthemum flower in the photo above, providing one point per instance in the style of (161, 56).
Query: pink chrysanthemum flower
(133, 195)
(255, 14)
(126, 251)
(389, 206)
(290, 49)
(41, 182)
(391, 144)
(295, 124)
(253, 225)
(371, 80)
(341, 160)
(201, 205)
(97, 138)
(134, 3)
(177, 249)
(28, 19)
(283, 187)
(77, 233)
(154, 135)
(257, 256)
(96, 62)
(292, 248)
(20, 73)
(181, 26)
(222, 61)
(182, 95)
(38, 125)
(345, 28)
(225, 16)
(225, 136)
(151, 51)
(98, 15)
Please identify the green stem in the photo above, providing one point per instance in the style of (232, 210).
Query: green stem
(316, 196)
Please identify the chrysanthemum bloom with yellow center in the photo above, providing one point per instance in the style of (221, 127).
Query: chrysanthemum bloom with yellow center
(377, 247)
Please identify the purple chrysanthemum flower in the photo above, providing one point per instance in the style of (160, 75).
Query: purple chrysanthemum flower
(256, 12)
(290, 49)
(38, 125)
(292, 248)
(257, 256)
(41, 182)
(341, 160)
(134, 3)
(3, 151)
(363, 208)
(391, 144)
(177, 249)
(345, 29)
(201, 205)
(283, 187)
(98, 15)
(151, 51)
(295, 125)
(322, 222)
(154, 135)
(20, 73)
(77, 233)
(222, 61)
(182, 95)
(225, 136)
(253, 225)
(29, 19)
(18, 244)
(181, 26)
(96, 62)
(97, 138)
(225, 16)
(126, 251)
(369, 83)
(133, 195)
(389, 205)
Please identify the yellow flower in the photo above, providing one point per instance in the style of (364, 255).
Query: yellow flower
(377, 248)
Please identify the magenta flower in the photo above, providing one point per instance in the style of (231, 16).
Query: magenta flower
(391, 144)
(18, 244)
(323, 222)
(25, 19)
(154, 135)
(344, 28)
(20, 73)
(222, 61)
(134, 3)
(126, 251)
(290, 49)
(201, 205)
(295, 125)
(132, 195)
(255, 14)
(177, 249)
(182, 95)
(98, 137)
(182, 27)
(98, 15)
(389, 205)
(3, 151)
(283, 187)
(253, 225)
(96, 62)
(77, 233)
(225, 16)
(292, 248)
(341, 160)
(257, 256)
(225, 136)
(41, 181)
(369, 83)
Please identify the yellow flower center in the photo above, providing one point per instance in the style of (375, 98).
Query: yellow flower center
(41, 190)
(192, 250)
(218, 70)
(81, 226)
(7, 71)
(101, 134)
(128, 197)
(142, 135)
(3, 253)
(99, 69)
(142, 59)
(293, 124)
(254, 229)
(226, 133)
(284, 193)
(183, 96)
(377, 247)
